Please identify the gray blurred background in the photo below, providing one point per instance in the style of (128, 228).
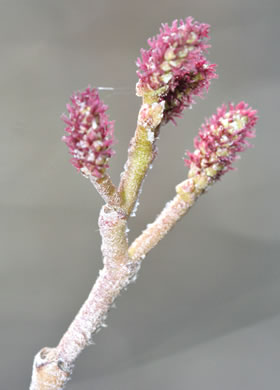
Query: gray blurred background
(205, 311)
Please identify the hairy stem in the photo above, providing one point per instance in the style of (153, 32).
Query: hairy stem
(141, 154)
(187, 193)
(52, 366)
(106, 189)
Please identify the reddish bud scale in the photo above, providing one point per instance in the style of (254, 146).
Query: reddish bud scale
(190, 85)
(220, 139)
(90, 133)
(174, 68)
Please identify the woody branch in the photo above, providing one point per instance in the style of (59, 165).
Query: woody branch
(171, 73)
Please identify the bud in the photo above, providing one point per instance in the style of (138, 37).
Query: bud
(90, 133)
(174, 69)
(220, 139)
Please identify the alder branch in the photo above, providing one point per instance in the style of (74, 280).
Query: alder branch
(171, 73)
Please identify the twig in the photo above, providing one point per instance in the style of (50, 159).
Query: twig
(171, 72)
(141, 153)
(107, 190)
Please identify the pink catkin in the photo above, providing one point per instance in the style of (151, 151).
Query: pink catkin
(90, 133)
(175, 66)
(221, 138)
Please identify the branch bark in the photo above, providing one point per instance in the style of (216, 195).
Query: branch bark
(187, 193)
(53, 366)
(107, 190)
(141, 153)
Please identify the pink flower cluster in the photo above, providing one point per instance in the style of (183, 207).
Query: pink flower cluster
(90, 133)
(174, 67)
(220, 139)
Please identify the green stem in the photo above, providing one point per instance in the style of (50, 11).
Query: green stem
(141, 154)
